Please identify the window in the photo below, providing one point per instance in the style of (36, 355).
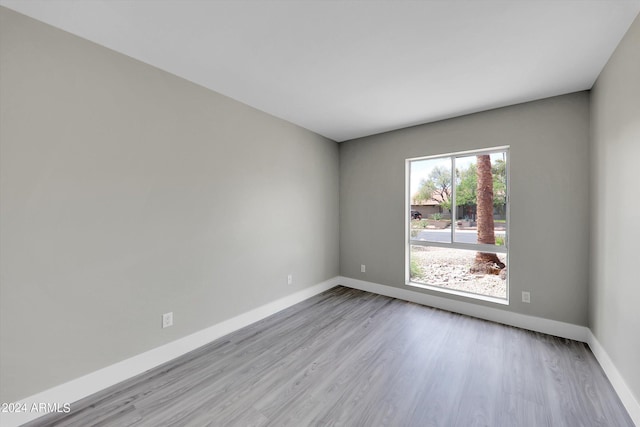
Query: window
(458, 222)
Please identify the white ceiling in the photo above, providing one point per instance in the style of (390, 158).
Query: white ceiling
(346, 69)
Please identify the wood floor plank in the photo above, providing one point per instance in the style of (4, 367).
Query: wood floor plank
(352, 358)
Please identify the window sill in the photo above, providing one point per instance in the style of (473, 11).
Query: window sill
(501, 301)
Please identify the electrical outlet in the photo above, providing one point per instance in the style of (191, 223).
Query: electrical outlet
(167, 320)
(363, 268)
(526, 297)
(290, 279)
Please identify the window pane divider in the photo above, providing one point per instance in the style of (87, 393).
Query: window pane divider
(457, 245)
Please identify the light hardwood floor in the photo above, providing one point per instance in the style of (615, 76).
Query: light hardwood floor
(352, 358)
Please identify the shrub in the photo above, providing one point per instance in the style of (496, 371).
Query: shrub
(415, 269)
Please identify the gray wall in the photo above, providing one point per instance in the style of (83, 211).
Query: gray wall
(128, 192)
(549, 237)
(615, 141)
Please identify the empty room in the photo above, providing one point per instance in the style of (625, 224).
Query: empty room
(319, 213)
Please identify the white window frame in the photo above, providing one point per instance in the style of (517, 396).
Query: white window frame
(477, 247)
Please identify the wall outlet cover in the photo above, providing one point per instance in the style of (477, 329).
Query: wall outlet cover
(167, 320)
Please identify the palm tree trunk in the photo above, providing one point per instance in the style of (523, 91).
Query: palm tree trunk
(485, 262)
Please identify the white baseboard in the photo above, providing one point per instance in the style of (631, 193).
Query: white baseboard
(94, 382)
(532, 323)
(617, 381)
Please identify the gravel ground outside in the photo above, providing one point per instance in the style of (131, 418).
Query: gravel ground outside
(449, 268)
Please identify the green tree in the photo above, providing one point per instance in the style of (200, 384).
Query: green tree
(466, 187)
(436, 187)
(499, 172)
(467, 182)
